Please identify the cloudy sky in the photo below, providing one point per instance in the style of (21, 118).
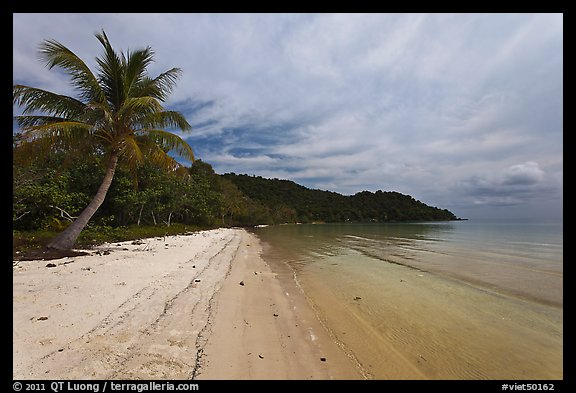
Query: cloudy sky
(461, 111)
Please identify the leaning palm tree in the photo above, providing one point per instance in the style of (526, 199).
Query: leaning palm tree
(118, 113)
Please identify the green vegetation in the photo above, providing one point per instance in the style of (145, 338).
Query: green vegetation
(291, 202)
(117, 116)
(49, 191)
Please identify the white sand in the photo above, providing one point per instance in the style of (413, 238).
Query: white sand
(155, 311)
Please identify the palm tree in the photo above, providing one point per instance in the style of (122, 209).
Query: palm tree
(118, 114)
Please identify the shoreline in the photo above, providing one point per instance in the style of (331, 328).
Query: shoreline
(403, 323)
(168, 308)
(215, 305)
(264, 328)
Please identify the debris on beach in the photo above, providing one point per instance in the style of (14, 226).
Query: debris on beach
(242, 283)
(357, 298)
(50, 265)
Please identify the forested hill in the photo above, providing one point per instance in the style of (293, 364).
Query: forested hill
(306, 205)
(48, 192)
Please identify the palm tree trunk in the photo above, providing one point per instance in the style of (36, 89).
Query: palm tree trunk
(66, 239)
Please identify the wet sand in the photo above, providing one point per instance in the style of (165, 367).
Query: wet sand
(264, 328)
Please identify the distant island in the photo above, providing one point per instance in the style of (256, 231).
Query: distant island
(295, 203)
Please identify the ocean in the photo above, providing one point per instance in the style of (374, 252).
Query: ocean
(477, 299)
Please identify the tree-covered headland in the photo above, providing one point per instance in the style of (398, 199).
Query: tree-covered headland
(49, 192)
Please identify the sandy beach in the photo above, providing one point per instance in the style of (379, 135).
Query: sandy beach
(198, 306)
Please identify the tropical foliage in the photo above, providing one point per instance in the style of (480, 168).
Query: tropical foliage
(48, 194)
(117, 116)
(293, 202)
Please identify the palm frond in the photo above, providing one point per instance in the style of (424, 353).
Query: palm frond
(135, 64)
(105, 137)
(158, 157)
(30, 121)
(164, 119)
(139, 106)
(110, 76)
(41, 141)
(131, 152)
(72, 131)
(167, 81)
(54, 54)
(161, 86)
(34, 99)
(98, 114)
(169, 142)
